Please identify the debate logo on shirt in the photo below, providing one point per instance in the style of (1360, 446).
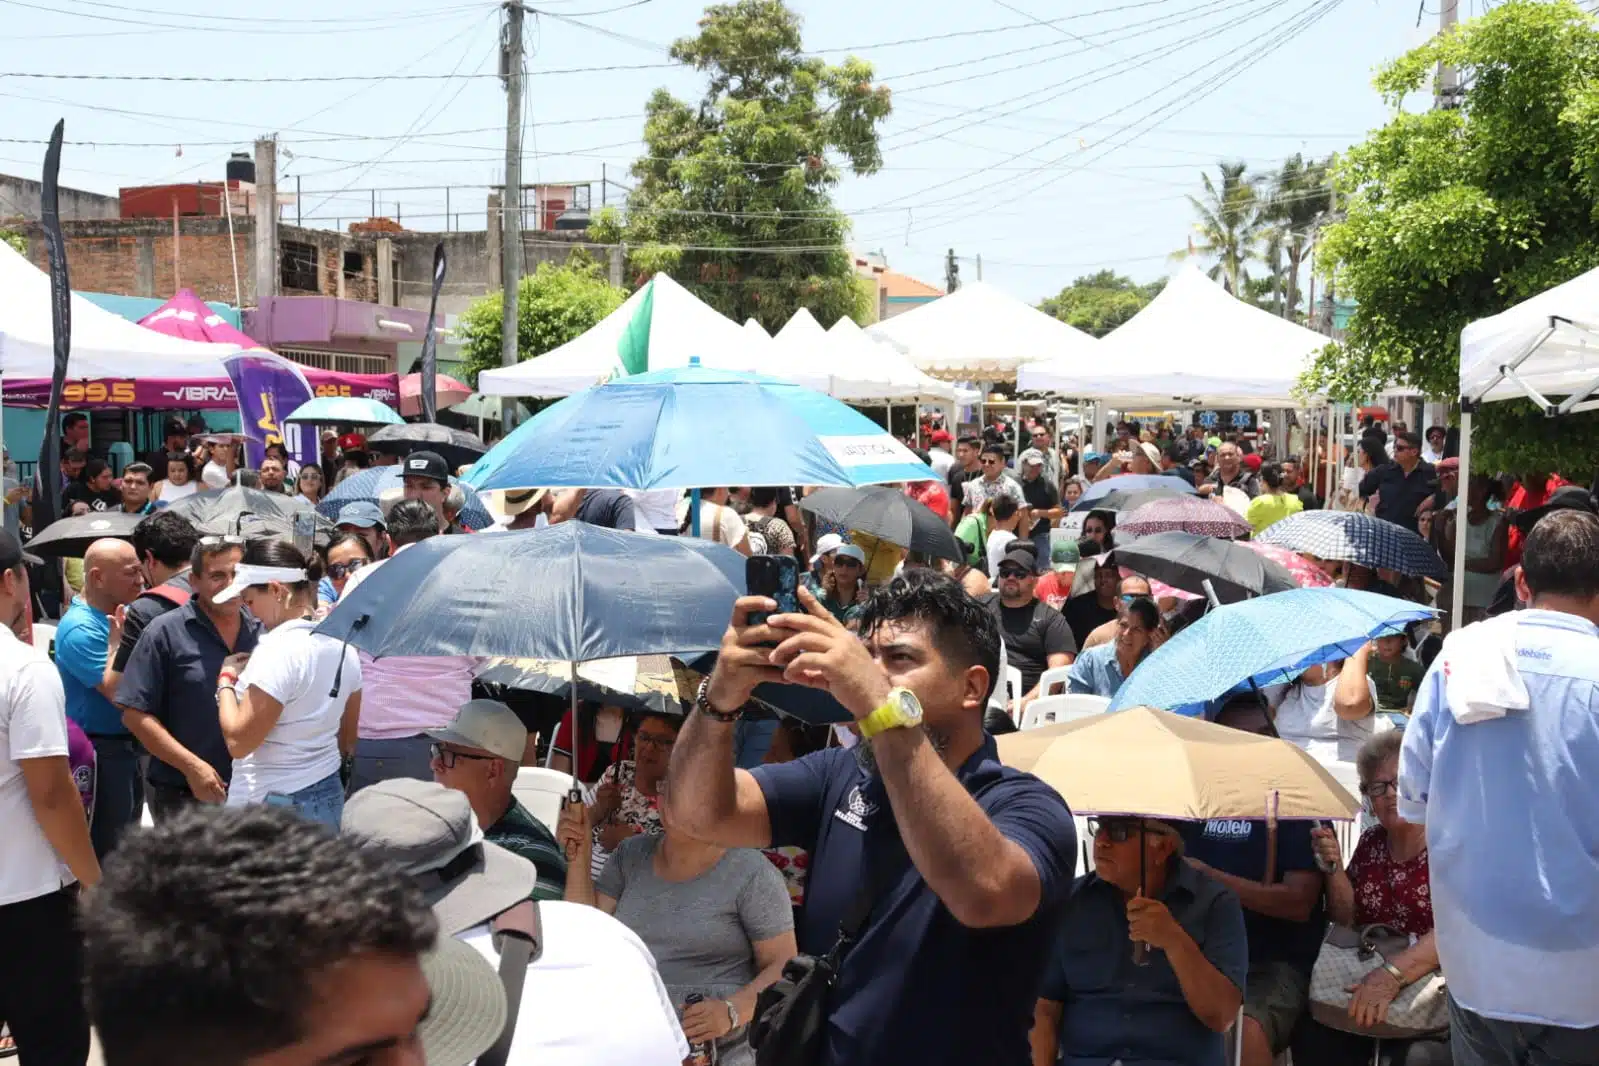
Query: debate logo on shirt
(1228, 829)
(856, 810)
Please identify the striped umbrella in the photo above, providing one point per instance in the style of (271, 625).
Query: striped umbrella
(1355, 537)
(1187, 514)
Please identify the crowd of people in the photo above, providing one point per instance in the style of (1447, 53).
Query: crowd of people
(337, 866)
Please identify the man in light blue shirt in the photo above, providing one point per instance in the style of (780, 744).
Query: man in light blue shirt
(1100, 670)
(1501, 762)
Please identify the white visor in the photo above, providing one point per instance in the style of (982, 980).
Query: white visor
(247, 575)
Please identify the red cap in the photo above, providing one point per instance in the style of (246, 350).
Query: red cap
(352, 442)
(1252, 460)
(940, 436)
(1448, 466)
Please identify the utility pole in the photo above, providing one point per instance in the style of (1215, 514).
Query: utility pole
(952, 273)
(511, 202)
(1448, 77)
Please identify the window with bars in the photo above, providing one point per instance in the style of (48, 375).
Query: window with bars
(340, 362)
(298, 267)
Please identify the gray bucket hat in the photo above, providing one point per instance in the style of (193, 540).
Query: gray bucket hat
(429, 832)
(467, 1012)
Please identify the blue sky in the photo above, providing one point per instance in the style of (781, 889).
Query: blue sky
(1051, 150)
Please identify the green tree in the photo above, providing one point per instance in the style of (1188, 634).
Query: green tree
(734, 196)
(554, 304)
(1450, 215)
(1301, 203)
(1229, 227)
(15, 240)
(1098, 303)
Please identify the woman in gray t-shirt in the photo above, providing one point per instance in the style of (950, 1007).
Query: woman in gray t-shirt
(717, 920)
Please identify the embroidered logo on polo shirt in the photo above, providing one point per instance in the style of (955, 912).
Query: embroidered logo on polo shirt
(855, 810)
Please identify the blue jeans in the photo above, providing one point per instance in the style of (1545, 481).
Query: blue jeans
(380, 760)
(322, 802)
(1479, 1041)
(118, 790)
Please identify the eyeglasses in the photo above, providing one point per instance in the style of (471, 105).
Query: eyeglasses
(1121, 830)
(446, 757)
(656, 742)
(338, 571)
(1403, 447)
(1379, 789)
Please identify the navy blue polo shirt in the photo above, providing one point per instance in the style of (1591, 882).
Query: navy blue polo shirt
(1137, 1014)
(1238, 846)
(172, 676)
(919, 987)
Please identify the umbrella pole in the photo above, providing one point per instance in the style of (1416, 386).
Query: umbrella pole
(1141, 949)
(693, 522)
(575, 793)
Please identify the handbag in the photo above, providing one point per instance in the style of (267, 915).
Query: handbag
(1347, 956)
(790, 1023)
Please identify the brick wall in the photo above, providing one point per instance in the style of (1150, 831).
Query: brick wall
(135, 257)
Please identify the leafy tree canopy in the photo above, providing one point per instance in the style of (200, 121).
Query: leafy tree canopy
(1098, 303)
(554, 304)
(1454, 214)
(752, 165)
(15, 240)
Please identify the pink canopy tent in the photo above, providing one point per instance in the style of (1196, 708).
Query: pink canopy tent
(187, 316)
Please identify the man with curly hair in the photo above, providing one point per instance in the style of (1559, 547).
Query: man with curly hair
(248, 936)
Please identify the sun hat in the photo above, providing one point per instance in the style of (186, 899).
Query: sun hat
(514, 501)
(467, 1010)
(1151, 453)
(487, 725)
(429, 831)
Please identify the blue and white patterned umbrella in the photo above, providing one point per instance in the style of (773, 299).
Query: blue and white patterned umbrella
(1359, 538)
(370, 485)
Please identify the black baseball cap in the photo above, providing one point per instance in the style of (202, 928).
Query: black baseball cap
(1022, 558)
(1565, 498)
(426, 464)
(11, 552)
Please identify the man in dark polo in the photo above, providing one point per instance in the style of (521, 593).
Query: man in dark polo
(1402, 484)
(1096, 1004)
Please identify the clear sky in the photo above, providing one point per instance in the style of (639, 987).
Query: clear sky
(1051, 150)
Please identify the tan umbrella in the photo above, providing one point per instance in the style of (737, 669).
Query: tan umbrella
(1162, 765)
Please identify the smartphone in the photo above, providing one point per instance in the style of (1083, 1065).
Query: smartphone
(304, 531)
(777, 578)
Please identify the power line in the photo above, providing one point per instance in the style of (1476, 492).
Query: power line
(145, 24)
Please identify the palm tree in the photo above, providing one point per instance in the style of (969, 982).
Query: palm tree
(1229, 226)
(1301, 202)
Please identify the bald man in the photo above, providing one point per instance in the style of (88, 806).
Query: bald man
(91, 625)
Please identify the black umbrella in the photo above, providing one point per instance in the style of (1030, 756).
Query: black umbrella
(70, 537)
(457, 446)
(1187, 560)
(251, 513)
(888, 514)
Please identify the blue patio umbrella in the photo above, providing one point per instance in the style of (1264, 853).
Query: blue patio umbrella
(1266, 641)
(370, 485)
(356, 410)
(1124, 492)
(571, 592)
(696, 427)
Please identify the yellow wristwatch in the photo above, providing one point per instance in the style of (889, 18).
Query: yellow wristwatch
(900, 709)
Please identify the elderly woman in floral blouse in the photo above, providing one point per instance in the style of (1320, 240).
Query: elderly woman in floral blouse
(1386, 883)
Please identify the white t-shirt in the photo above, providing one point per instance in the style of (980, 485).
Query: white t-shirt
(295, 667)
(1306, 717)
(215, 475)
(941, 461)
(654, 509)
(33, 725)
(999, 543)
(593, 998)
(718, 522)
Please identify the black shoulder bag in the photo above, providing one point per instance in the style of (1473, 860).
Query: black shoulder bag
(790, 1023)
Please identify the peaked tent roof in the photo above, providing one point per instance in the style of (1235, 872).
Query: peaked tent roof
(1559, 325)
(980, 332)
(187, 316)
(882, 361)
(1194, 343)
(680, 326)
(103, 344)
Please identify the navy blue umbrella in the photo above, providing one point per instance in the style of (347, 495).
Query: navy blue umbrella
(369, 486)
(572, 592)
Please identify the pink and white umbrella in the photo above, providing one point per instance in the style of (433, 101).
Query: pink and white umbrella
(1306, 573)
(447, 390)
(1187, 514)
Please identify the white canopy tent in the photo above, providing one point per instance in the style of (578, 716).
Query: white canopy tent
(980, 333)
(1193, 345)
(884, 362)
(1545, 347)
(680, 326)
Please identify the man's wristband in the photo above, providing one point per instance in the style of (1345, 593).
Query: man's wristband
(702, 702)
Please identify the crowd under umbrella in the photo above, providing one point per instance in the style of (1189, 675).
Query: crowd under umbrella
(377, 483)
(1191, 562)
(572, 592)
(346, 410)
(1128, 492)
(1191, 514)
(457, 446)
(888, 514)
(1260, 642)
(1358, 538)
(252, 514)
(69, 538)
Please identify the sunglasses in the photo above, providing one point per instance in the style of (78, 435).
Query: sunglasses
(1121, 830)
(847, 562)
(1014, 571)
(446, 757)
(1379, 789)
(338, 571)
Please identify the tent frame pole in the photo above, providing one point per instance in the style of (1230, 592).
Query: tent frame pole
(1458, 578)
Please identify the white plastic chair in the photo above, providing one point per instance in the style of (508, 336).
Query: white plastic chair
(1013, 685)
(1055, 675)
(1047, 710)
(541, 791)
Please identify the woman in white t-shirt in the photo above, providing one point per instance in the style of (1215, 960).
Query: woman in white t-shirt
(1330, 711)
(179, 482)
(289, 710)
(223, 464)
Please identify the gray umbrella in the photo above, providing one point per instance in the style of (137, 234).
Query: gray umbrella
(889, 514)
(1187, 560)
(457, 446)
(251, 513)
